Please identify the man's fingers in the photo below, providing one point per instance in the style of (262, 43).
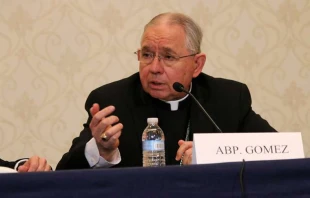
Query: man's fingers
(33, 164)
(187, 160)
(180, 142)
(101, 129)
(27, 163)
(111, 131)
(105, 129)
(113, 142)
(47, 168)
(184, 146)
(179, 152)
(109, 121)
(187, 157)
(94, 109)
(23, 169)
(42, 164)
(100, 115)
(118, 133)
(112, 139)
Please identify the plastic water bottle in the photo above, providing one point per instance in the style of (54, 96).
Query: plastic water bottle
(153, 144)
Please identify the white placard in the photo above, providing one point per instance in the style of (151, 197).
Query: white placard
(233, 147)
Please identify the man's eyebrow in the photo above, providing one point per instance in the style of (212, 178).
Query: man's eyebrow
(146, 48)
(168, 50)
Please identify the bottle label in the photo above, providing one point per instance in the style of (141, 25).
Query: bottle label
(153, 145)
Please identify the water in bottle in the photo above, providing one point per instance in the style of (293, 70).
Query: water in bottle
(153, 144)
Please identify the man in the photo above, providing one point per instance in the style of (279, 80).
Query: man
(32, 164)
(170, 52)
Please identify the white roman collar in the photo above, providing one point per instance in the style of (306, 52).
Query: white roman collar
(174, 104)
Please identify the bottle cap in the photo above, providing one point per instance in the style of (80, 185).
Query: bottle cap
(152, 120)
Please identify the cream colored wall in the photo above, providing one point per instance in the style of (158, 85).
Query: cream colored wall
(54, 52)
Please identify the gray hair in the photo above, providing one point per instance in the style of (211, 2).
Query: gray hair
(193, 33)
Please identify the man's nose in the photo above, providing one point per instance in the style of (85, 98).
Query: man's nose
(157, 65)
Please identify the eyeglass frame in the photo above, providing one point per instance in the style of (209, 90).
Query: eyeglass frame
(177, 58)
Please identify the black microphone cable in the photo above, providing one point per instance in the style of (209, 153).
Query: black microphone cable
(241, 179)
(180, 88)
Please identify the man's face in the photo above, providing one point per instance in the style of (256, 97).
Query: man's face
(157, 78)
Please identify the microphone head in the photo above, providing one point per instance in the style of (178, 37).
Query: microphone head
(178, 87)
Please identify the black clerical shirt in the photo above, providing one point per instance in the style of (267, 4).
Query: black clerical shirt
(174, 124)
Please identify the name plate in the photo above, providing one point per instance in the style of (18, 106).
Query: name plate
(235, 147)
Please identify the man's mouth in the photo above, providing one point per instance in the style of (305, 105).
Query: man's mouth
(156, 84)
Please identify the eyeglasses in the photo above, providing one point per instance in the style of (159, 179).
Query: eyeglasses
(169, 60)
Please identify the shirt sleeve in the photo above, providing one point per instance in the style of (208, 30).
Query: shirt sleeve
(95, 160)
(19, 163)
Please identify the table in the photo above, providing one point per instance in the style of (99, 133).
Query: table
(279, 178)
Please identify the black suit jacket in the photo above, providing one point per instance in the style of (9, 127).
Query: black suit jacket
(228, 103)
(8, 164)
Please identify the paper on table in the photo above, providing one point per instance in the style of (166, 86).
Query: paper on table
(7, 170)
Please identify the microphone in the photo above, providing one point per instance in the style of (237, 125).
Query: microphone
(180, 88)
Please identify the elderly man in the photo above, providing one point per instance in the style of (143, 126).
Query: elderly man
(170, 52)
(32, 164)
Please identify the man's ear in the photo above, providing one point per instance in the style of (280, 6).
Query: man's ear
(200, 60)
